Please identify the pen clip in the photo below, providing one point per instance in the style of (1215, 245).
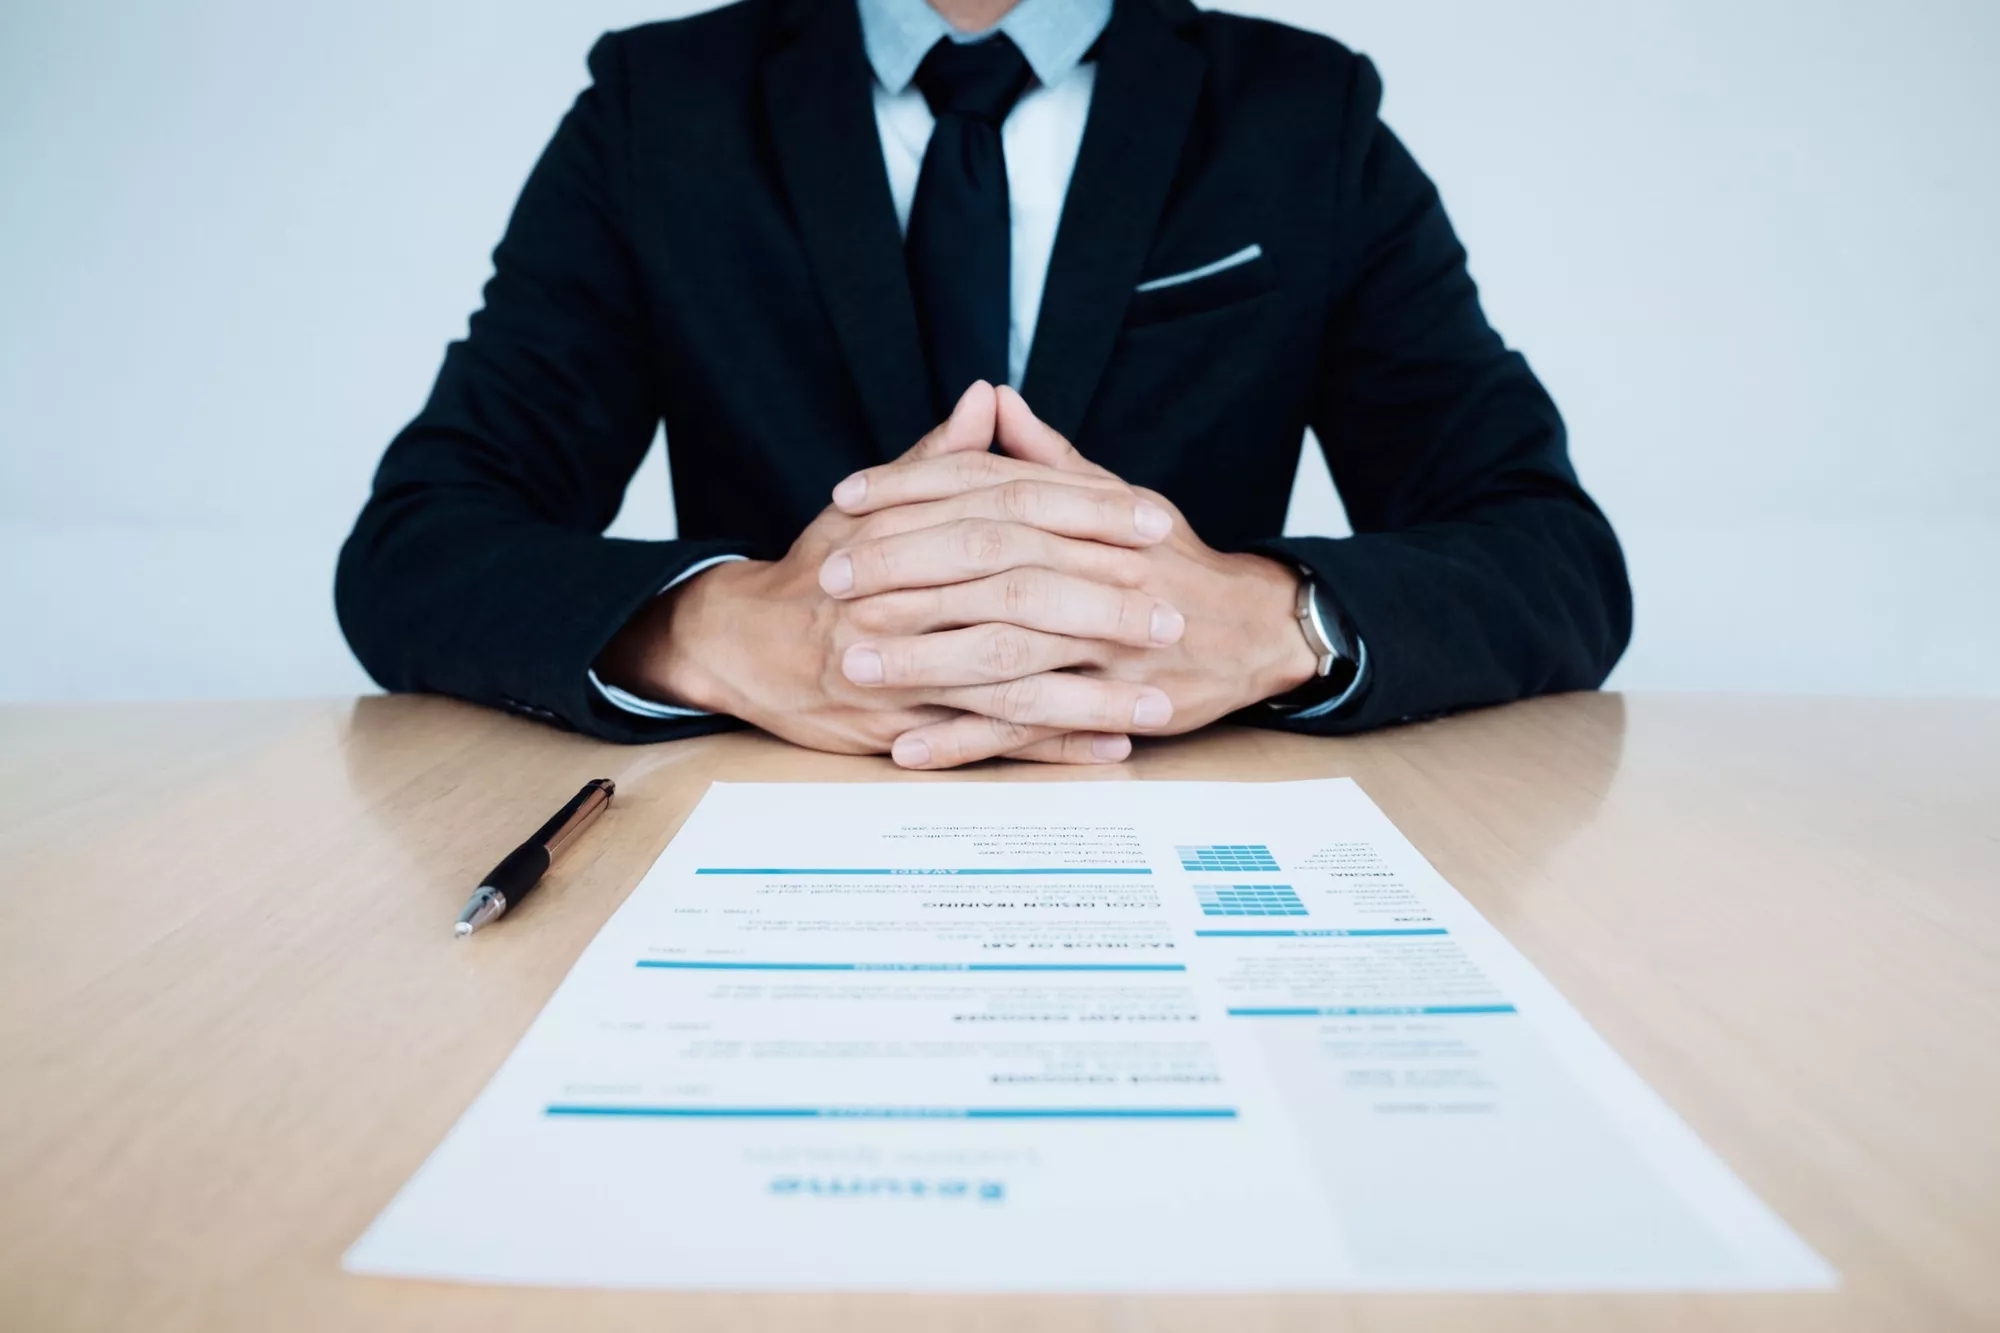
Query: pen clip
(573, 818)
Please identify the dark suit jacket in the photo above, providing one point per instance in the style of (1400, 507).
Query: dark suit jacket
(709, 239)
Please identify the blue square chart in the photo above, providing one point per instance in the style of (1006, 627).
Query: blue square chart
(1249, 900)
(1227, 858)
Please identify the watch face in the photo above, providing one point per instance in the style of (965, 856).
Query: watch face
(1328, 622)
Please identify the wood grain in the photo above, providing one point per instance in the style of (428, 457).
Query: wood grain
(233, 1018)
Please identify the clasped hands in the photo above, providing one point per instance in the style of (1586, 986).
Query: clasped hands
(959, 604)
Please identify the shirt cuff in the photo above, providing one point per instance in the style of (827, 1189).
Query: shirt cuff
(629, 702)
(1353, 687)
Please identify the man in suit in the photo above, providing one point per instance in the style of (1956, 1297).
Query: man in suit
(985, 335)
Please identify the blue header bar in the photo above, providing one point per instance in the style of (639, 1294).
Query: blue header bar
(777, 871)
(707, 965)
(1310, 934)
(1374, 1011)
(899, 1112)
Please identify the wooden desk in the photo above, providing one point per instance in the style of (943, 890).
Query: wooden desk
(233, 1018)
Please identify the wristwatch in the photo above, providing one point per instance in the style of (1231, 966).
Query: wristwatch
(1335, 665)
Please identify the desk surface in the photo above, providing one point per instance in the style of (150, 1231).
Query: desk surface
(233, 1018)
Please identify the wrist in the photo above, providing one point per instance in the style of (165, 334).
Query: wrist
(1281, 660)
(678, 649)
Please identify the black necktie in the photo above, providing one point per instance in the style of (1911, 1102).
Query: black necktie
(959, 237)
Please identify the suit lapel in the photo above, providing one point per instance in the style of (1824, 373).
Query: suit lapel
(817, 95)
(1148, 81)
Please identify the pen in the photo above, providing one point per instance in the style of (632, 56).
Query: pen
(507, 883)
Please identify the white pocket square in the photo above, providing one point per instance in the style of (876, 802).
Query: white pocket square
(1243, 256)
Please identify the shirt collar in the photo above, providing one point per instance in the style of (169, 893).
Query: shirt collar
(1054, 36)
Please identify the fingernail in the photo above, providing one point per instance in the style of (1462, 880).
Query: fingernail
(837, 574)
(1152, 710)
(1110, 749)
(851, 492)
(1148, 519)
(1168, 624)
(862, 665)
(910, 752)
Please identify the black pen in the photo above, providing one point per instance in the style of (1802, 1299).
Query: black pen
(507, 883)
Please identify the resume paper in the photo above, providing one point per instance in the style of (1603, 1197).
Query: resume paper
(1089, 1036)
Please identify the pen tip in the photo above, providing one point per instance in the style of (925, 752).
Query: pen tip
(462, 929)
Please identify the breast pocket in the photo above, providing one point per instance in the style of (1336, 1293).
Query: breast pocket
(1233, 279)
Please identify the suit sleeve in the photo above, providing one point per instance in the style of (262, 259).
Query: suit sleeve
(478, 567)
(1479, 571)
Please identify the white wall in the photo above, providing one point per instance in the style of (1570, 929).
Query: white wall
(1751, 247)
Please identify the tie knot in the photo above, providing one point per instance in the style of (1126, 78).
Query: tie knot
(977, 80)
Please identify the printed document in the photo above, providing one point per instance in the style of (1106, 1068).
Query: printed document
(1085, 1036)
